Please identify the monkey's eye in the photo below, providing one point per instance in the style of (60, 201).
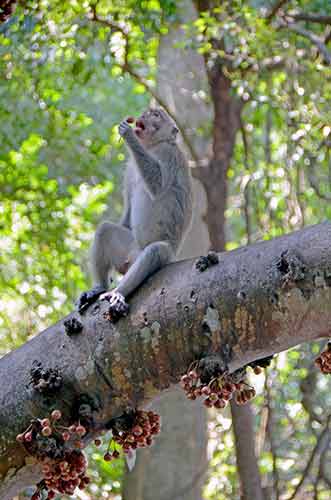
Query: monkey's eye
(156, 113)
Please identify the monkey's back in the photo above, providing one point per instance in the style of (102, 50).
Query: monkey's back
(166, 216)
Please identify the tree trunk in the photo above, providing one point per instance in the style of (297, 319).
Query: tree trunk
(250, 482)
(174, 468)
(256, 301)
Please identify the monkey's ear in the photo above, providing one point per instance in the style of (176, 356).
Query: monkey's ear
(174, 132)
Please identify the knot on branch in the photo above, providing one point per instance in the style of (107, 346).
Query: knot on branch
(291, 267)
(203, 262)
(72, 326)
(45, 380)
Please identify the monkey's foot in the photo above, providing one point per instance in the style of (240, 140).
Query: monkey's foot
(117, 305)
(87, 298)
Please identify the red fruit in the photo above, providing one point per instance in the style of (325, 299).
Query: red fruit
(208, 403)
(257, 370)
(116, 454)
(56, 415)
(80, 430)
(28, 438)
(193, 375)
(63, 466)
(72, 428)
(46, 469)
(45, 422)
(46, 431)
(137, 430)
(97, 442)
(107, 457)
(220, 404)
(206, 390)
(20, 438)
(191, 396)
(51, 495)
(66, 436)
(130, 119)
(35, 496)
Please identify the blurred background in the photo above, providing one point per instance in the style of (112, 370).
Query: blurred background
(249, 84)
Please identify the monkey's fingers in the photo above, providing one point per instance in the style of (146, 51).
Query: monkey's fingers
(87, 298)
(117, 305)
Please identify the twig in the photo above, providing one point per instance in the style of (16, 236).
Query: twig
(310, 36)
(246, 190)
(316, 450)
(278, 5)
(312, 18)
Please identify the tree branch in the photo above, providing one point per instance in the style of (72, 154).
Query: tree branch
(319, 445)
(256, 301)
(310, 36)
(312, 18)
(276, 7)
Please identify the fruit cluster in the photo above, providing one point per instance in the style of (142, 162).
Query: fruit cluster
(45, 380)
(143, 426)
(58, 449)
(217, 391)
(323, 361)
(64, 476)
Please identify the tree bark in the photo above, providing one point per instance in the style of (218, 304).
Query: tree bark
(257, 301)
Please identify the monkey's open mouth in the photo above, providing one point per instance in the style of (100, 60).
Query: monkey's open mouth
(140, 124)
(140, 127)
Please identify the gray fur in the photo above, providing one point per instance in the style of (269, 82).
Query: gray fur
(158, 206)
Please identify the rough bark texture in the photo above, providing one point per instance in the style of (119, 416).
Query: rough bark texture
(257, 301)
(174, 468)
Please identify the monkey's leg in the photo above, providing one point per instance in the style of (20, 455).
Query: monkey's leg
(113, 248)
(152, 258)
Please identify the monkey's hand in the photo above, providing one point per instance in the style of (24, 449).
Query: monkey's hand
(87, 298)
(125, 130)
(117, 305)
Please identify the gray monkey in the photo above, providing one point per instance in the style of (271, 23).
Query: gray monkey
(158, 211)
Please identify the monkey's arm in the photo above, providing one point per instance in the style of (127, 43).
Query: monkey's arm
(126, 217)
(149, 167)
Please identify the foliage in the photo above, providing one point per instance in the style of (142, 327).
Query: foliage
(70, 71)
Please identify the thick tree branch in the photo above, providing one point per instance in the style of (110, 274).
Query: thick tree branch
(257, 301)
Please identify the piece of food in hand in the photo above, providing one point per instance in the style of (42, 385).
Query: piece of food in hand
(130, 119)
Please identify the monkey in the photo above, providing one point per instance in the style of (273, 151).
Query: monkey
(157, 212)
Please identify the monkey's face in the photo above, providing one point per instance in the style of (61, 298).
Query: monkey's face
(154, 126)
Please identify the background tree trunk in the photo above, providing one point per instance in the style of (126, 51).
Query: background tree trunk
(174, 468)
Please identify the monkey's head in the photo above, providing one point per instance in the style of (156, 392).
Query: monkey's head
(154, 126)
